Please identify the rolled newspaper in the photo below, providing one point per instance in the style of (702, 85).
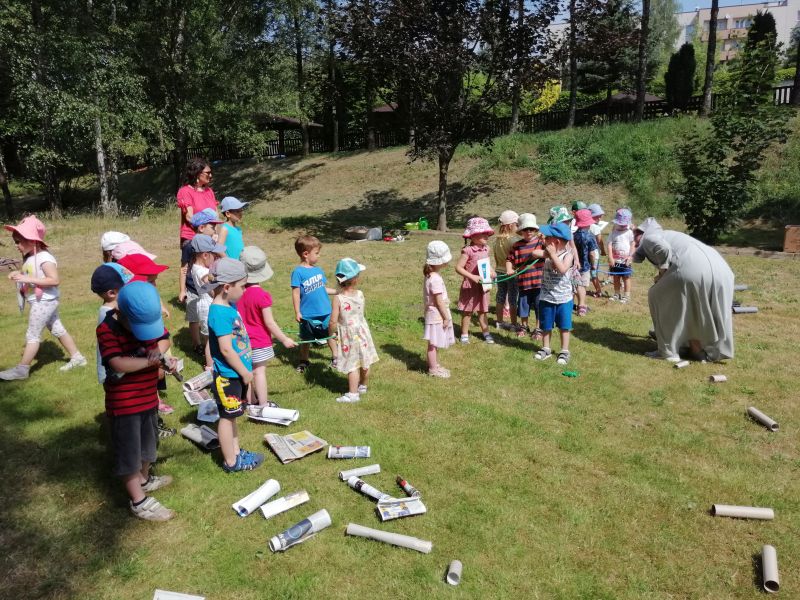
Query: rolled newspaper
(453, 576)
(349, 451)
(407, 487)
(287, 502)
(359, 472)
(252, 501)
(717, 378)
(199, 381)
(362, 486)
(769, 569)
(742, 512)
(740, 287)
(762, 418)
(300, 532)
(203, 436)
(281, 416)
(682, 364)
(395, 539)
(743, 310)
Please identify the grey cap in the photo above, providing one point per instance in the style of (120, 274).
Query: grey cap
(224, 270)
(205, 243)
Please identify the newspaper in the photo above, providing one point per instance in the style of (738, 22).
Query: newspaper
(198, 382)
(295, 445)
(195, 398)
(395, 508)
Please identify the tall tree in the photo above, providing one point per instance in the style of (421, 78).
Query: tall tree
(795, 44)
(641, 71)
(679, 78)
(708, 82)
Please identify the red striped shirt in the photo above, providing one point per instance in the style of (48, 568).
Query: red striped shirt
(521, 255)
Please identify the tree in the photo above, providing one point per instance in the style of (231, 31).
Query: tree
(641, 71)
(708, 82)
(679, 78)
(796, 45)
(664, 32)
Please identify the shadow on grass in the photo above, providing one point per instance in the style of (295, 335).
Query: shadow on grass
(49, 352)
(612, 339)
(412, 360)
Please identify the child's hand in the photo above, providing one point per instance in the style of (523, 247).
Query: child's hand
(247, 378)
(475, 279)
(17, 276)
(181, 297)
(550, 249)
(165, 312)
(171, 363)
(298, 317)
(493, 274)
(509, 272)
(154, 358)
(289, 343)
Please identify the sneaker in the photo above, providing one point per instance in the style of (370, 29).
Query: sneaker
(200, 350)
(301, 367)
(439, 372)
(151, 509)
(624, 299)
(543, 354)
(487, 337)
(362, 389)
(332, 364)
(164, 408)
(14, 373)
(464, 339)
(563, 357)
(245, 461)
(76, 361)
(156, 482)
(251, 456)
(615, 298)
(349, 398)
(164, 431)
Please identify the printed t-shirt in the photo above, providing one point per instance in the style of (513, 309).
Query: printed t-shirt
(251, 306)
(225, 320)
(187, 197)
(521, 256)
(585, 243)
(234, 243)
(33, 268)
(314, 301)
(434, 284)
(621, 243)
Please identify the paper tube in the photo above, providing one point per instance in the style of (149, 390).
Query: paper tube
(349, 451)
(362, 486)
(287, 502)
(300, 532)
(359, 472)
(742, 512)
(717, 378)
(682, 364)
(203, 436)
(199, 381)
(278, 414)
(454, 573)
(769, 569)
(743, 310)
(407, 487)
(255, 499)
(395, 539)
(762, 418)
(740, 287)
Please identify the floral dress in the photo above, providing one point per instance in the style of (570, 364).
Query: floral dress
(356, 348)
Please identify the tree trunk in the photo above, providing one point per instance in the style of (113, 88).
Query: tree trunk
(332, 81)
(113, 182)
(369, 96)
(517, 91)
(105, 207)
(641, 72)
(53, 193)
(795, 99)
(573, 64)
(7, 198)
(445, 156)
(301, 93)
(710, 55)
(179, 157)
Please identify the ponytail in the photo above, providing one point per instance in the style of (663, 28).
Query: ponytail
(427, 270)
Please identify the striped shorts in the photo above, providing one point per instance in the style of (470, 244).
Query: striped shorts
(262, 355)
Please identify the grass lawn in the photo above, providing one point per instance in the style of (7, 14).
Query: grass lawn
(543, 486)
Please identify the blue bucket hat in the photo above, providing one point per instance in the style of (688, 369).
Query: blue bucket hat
(140, 303)
(559, 230)
(231, 203)
(347, 268)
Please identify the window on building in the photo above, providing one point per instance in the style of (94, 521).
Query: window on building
(742, 23)
(722, 24)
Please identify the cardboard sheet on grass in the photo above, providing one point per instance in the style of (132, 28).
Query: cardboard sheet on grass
(294, 446)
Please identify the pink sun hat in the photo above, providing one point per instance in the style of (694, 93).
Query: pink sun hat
(583, 218)
(129, 247)
(477, 225)
(30, 228)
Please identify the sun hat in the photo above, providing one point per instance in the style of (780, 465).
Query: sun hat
(231, 203)
(583, 218)
(623, 217)
(205, 243)
(105, 278)
(204, 217)
(596, 210)
(255, 262)
(476, 226)
(559, 214)
(30, 228)
(347, 268)
(578, 205)
(140, 303)
(438, 253)
(527, 221)
(559, 230)
(507, 217)
(141, 266)
(225, 270)
(130, 247)
(110, 239)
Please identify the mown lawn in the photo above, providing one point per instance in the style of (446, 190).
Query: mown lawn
(543, 486)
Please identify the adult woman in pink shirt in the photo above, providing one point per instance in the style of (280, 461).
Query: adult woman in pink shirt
(195, 195)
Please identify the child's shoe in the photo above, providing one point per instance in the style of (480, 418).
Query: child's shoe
(15, 373)
(302, 366)
(615, 298)
(151, 509)
(563, 357)
(522, 331)
(76, 361)
(164, 431)
(582, 310)
(245, 461)
(537, 334)
(464, 339)
(156, 482)
(543, 354)
(624, 299)
(439, 372)
(362, 389)
(487, 337)
(349, 398)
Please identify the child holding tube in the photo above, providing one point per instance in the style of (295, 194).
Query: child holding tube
(438, 321)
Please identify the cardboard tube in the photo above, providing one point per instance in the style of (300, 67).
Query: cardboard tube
(255, 499)
(300, 532)
(740, 287)
(453, 576)
(359, 472)
(282, 414)
(762, 418)
(407, 487)
(682, 364)
(717, 378)
(387, 537)
(743, 310)
(203, 436)
(287, 502)
(362, 486)
(199, 381)
(349, 451)
(769, 569)
(742, 512)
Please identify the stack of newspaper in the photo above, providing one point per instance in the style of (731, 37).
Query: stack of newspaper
(294, 446)
(194, 389)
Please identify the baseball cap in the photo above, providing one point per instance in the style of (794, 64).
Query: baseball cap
(204, 217)
(578, 205)
(106, 278)
(141, 266)
(255, 262)
(140, 303)
(559, 230)
(126, 275)
(507, 217)
(224, 270)
(438, 253)
(205, 243)
(347, 268)
(231, 203)
(111, 239)
(130, 247)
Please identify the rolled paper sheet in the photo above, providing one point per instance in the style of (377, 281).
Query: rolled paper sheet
(300, 532)
(682, 364)
(769, 569)
(359, 472)
(742, 310)
(362, 486)
(281, 414)
(349, 451)
(255, 499)
(453, 576)
(742, 512)
(387, 537)
(717, 378)
(203, 436)
(287, 502)
(407, 487)
(762, 418)
(199, 381)
(740, 287)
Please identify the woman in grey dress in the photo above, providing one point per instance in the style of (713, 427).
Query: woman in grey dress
(691, 299)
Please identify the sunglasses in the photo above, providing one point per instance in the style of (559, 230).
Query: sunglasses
(206, 173)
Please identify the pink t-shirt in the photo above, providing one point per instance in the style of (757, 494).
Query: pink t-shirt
(250, 306)
(434, 284)
(188, 196)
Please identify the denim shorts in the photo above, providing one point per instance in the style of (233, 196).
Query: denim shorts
(528, 302)
(507, 290)
(559, 315)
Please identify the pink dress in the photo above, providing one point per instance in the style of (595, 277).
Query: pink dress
(472, 298)
(435, 332)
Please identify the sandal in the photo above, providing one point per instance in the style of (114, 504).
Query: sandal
(537, 334)
(563, 357)
(582, 310)
(543, 354)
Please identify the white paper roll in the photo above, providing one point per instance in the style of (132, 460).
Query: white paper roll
(281, 414)
(769, 568)
(742, 512)
(454, 572)
(395, 539)
(359, 472)
(287, 502)
(740, 287)
(682, 364)
(362, 486)
(300, 532)
(762, 418)
(717, 378)
(743, 310)
(199, 381)
(252, 501)
(349, 451)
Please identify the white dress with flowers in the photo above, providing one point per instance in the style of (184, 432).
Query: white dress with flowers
(356, 348)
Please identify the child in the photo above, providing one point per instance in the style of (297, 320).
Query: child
(312, 307)
(525, 258)
(438, 322)
(110, 240)
(230, 234)
(37, 284)
(555, 302)
(255, 308)
(596, 229)
(472, 299)
(128, 340)
(506, 290)
(107, 281)
(588, 255)
(206, 251)
(205, 223)
(232, 356)
(352, 332)
(620, 249)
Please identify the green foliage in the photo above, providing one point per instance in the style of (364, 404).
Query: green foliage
(679, 78)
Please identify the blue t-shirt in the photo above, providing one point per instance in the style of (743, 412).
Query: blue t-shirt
(585, 243)
(314, 301)
(234, 243)
(225, 320)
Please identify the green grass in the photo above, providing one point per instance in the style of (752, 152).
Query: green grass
(542, 485)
